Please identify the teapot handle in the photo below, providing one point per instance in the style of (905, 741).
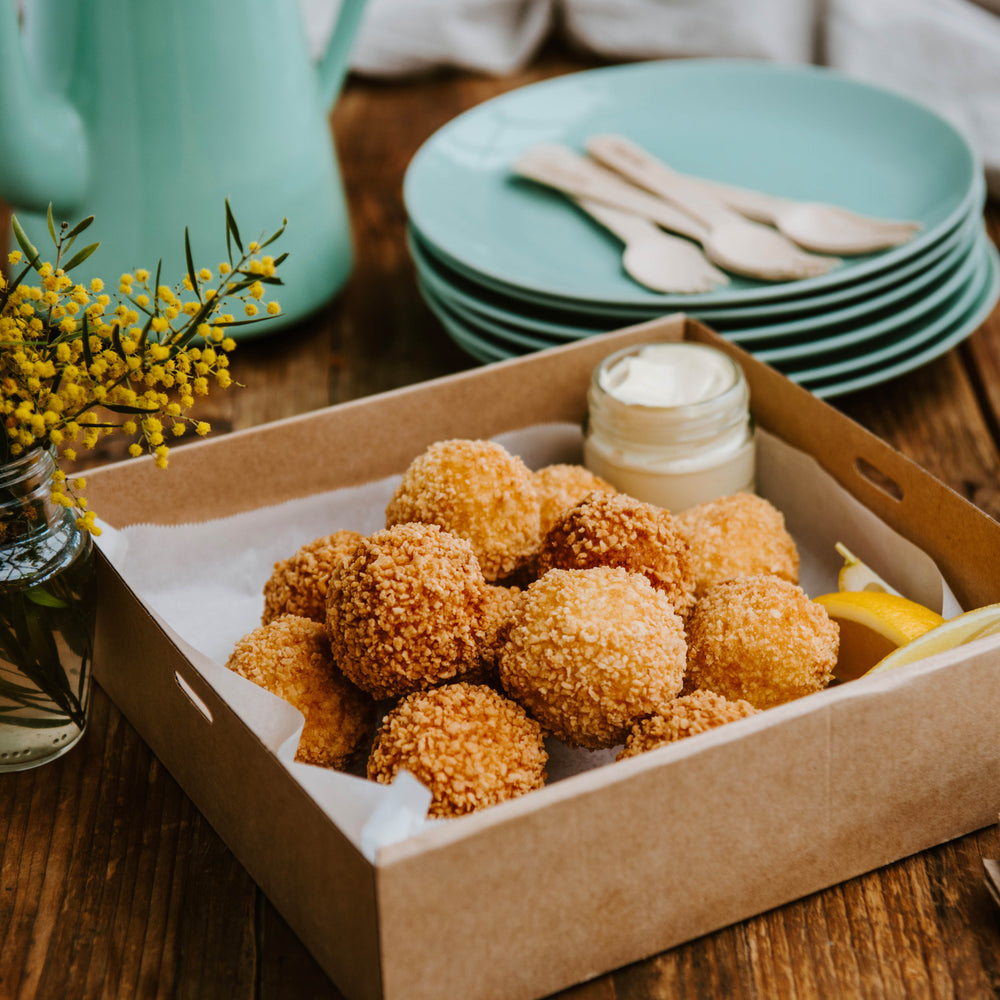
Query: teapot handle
(335, 62)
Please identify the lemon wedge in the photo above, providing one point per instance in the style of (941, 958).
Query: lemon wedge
(954, 632)
(856, 575)
(872, 625)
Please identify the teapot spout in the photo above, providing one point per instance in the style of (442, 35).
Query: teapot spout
(43, 145)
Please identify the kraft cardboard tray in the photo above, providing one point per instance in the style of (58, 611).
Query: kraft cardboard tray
(613, 864)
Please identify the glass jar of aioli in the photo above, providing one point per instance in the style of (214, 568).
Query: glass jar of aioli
(670, 424)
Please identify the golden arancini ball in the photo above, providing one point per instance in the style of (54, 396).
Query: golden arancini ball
(471, 746)
(738, 535)
(592, 650)
(761, 639)
(297, 585)
(685, 716)
(562, 486)
(618, 530)
(290, 657)
(478, 491)
(405, 611)
(497, 618)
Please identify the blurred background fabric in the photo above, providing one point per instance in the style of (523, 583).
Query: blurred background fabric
(943, 53)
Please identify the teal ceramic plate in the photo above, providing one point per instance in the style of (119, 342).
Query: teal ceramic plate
(449, 285)
(805, 132)
(900, 340)
(851, 343)
(503, 336)
(895, 355)
(901, 295)
(480, 348)
(859, 295)
(525, 301)
(967, 324)
(843, 332)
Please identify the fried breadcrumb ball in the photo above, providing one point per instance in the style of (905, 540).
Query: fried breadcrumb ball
(479, 491)
(297, 585)
(468, 744)
(618, 530)
(405, 611)
(290, 657)
(760, 638)
(592, 650)
(562, 486)
(497, 619)
(685, 716)
(738, 535)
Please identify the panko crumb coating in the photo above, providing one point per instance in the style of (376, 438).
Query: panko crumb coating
(562, 486)
(290, 657)
(478, 491)
(592, 650)
(761, 639)
(686, 716)
(498, 612)
(297, 585)
(405, 611)
(738, 535)
(471, 746)
(618, 530)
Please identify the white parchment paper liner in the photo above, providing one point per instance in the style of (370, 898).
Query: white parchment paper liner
(203, 582)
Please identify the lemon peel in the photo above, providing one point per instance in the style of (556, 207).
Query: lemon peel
(954, 632)
(873, 624)
(857, 575)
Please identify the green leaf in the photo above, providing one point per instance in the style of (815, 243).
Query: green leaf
(122, 408)
(30, 250)
(39, 595)
(39, 723)
(70, 238)
(274, 236)
(145, 333)
(27, 695)
(116, 341)
(233, 230)
(52, 225)
(79, 227)
(80, 257)
(247, 322)
(140, 308)
(200, 315)
(190, 263)
(100, 425)
(236, 287)
(88, 357)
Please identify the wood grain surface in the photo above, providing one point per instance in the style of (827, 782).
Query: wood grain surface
(112, 884)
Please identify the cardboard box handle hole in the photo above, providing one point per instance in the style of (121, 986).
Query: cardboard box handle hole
(874, 476)
(192, 697)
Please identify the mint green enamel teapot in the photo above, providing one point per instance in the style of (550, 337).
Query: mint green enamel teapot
(148, 114)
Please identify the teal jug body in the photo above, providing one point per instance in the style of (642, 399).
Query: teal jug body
(168, 108)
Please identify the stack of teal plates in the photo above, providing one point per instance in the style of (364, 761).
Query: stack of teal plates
(510, 267)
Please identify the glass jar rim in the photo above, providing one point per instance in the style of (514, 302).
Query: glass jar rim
(736, 387)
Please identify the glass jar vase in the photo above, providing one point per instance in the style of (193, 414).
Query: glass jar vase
(48, 608)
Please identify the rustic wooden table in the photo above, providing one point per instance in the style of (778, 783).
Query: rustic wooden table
(112, 884)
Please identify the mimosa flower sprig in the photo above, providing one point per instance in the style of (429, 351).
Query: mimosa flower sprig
(77, 363)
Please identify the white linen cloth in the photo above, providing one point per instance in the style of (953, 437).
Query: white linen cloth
(943, 53)
(406, 37)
